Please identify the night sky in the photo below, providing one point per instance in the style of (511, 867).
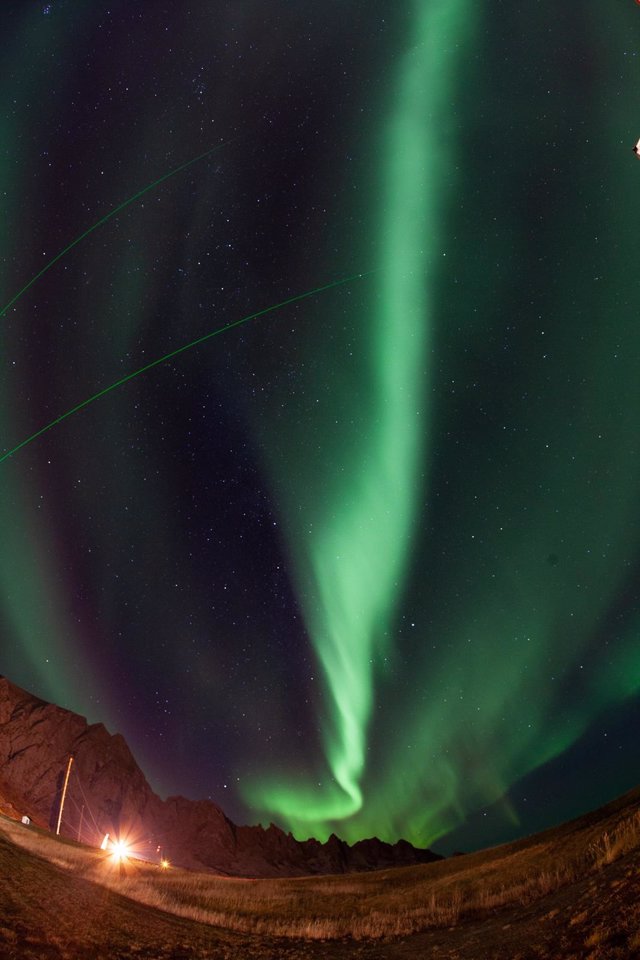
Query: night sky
(369, 562)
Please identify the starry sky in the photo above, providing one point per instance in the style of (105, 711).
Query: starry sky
(364, 557)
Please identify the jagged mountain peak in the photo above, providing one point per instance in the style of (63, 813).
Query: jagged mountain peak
(108, 793)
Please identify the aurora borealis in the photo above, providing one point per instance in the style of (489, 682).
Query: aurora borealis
(366, 563)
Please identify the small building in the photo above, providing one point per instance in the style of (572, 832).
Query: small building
(26, 820)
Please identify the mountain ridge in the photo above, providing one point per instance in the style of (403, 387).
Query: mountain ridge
(108, 793)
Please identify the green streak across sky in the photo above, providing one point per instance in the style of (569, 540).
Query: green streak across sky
(174, 353)
(99, 223)
(353, 557)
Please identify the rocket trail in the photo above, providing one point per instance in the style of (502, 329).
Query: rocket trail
(108, 216)
(183, 349)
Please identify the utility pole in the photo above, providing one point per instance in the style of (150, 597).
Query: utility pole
(64, 793)
(80, 824)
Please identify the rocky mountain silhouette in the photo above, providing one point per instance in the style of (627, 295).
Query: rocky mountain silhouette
(108, 793)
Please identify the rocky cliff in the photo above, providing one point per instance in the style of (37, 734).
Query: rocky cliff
(108, 793)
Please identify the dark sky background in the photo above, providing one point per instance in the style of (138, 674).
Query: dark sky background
(368, 563)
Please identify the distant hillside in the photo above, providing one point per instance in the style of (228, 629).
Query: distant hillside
(108, 793)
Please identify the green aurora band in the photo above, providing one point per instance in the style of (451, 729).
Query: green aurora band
(458, 482)
(501, 675)
(33, 605)
(352, 557)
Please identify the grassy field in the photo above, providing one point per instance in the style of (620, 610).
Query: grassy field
(389, 906)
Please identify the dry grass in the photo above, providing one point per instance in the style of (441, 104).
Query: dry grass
(611, 846)
(634, 941)
(382, 904)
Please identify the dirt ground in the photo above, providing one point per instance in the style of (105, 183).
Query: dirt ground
(45, 914)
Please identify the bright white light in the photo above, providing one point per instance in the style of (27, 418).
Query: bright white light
(120, 851)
